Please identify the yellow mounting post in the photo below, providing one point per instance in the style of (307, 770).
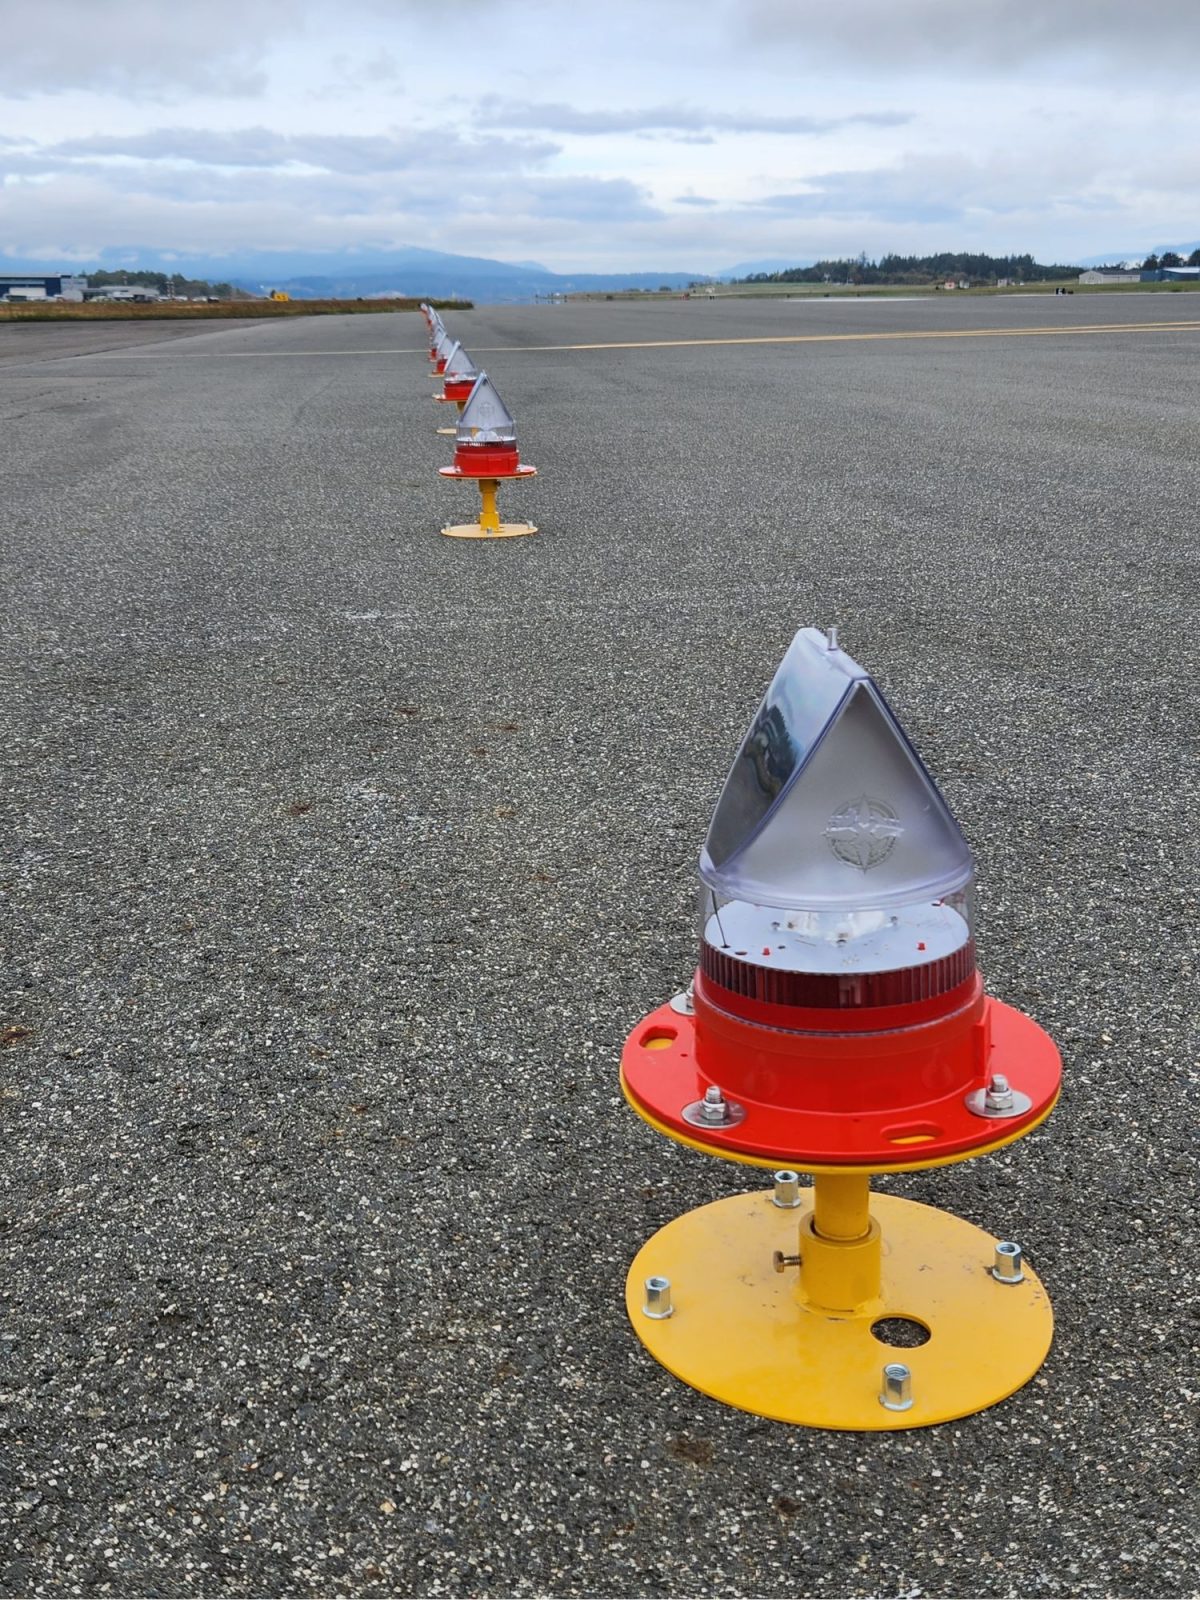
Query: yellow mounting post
(489, 525)
(462, 406)
(791, 1304)
(489, 517)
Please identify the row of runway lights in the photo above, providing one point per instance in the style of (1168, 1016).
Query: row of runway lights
(485, 438)
(836, 1024)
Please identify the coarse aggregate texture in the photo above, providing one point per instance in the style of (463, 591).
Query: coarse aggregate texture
(339, 858)
(56, 341)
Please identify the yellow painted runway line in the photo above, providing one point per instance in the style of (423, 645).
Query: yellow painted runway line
(166, 348)
(863, 338)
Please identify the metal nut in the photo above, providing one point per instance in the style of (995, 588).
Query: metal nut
(1007, 1265)
(656, 1301)
(999, 1095)
(787, 1190)
(999, 1099)
(714, 1111)
(897, 1387)
(714, 1105)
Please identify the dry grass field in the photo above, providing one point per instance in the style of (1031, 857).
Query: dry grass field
(125, 311)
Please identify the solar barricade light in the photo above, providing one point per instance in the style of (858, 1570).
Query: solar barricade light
(440, 347)
(485, 450)
(837, 1025)
(458, 380)
(440, 350)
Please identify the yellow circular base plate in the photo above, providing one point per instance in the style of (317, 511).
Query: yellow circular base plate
(742, 1333)
(472, 530)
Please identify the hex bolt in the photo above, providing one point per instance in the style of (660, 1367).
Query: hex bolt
(787, 1190)
(897, 1387)
(998, 1098)
(657, 1303)
(713, 1111)
(999, 1093)
(1007, 1265)
(713, 1108)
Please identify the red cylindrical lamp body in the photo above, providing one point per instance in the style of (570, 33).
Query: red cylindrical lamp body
(837, 1010)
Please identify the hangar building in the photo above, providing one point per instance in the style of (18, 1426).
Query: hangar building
(41, 286)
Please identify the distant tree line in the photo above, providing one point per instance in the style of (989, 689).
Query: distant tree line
(167, 283)
(1170, 259)
(894, 269)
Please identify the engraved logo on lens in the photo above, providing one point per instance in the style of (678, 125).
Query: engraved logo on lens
(863, 833)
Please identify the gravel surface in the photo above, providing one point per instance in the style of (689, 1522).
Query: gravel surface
(54, 341)
(339, 858)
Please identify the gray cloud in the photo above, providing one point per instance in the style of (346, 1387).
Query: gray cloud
(676, 138)
(949, 189)
(946, 35)
(373, 192)
(1014, 200)
(77, 215)
(865, 202)
(556, 117)
(427, 150)
(142, 47)
(591, 200)
(351, 77)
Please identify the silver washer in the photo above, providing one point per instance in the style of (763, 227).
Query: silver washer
(977, 1104)
(695, 1113)
(682, 1002)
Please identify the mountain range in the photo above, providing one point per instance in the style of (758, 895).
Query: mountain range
(434, 274)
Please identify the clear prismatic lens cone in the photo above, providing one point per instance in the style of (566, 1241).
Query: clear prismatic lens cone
(443, 344)
(828, 807)
(459, 364)
(485, 418)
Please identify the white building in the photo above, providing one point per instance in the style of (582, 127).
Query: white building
(134, 292)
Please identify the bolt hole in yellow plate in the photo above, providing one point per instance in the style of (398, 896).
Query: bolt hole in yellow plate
(900, 1333)
(742, 1333)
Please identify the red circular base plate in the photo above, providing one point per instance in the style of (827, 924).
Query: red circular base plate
(662, 1077)
(457, 472)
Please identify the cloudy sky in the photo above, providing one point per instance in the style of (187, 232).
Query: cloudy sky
(631, 134)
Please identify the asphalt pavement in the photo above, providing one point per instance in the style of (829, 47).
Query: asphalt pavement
(338, 858)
